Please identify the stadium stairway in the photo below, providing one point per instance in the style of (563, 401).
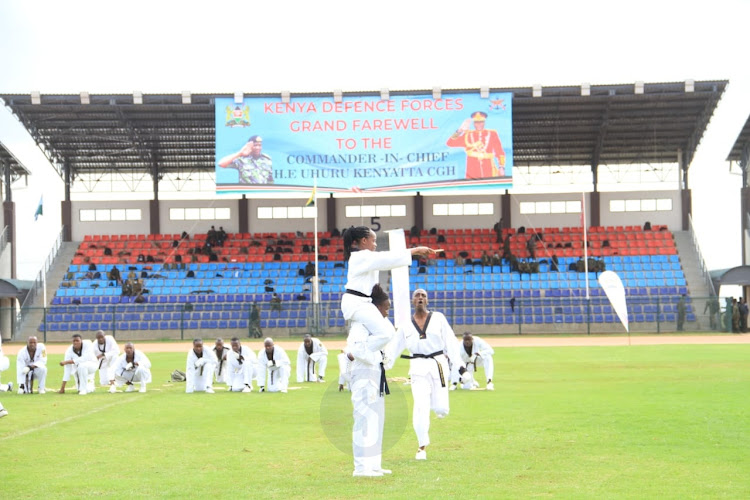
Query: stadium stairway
(691, 265)
(55, 275)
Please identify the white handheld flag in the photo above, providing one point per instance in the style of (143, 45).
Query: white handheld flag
(613, 287)
(399, 280)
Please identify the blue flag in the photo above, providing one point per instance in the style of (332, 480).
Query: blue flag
(39, 209)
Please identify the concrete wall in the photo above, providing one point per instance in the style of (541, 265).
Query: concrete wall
(284, 225)
(197, 226)
(463, 221)
(545, 220)
(80, 229)
(672, 218)
(342, 221)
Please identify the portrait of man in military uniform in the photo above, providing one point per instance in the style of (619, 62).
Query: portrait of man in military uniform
(484, 152)
(253, 166)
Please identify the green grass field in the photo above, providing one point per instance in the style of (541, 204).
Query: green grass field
(564, 422)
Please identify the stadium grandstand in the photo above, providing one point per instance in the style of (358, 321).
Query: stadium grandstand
(519, 260)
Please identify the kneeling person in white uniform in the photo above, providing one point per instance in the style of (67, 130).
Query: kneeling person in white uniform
(31, 366)
(4, 365)
(311, 354)
(475, 352)
(221, 371)
(241, 367)
(274, 368)
(199, 369)
(79, 361)
(132, 367)
(107, 351)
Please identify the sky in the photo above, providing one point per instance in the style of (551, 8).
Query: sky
(226, 46)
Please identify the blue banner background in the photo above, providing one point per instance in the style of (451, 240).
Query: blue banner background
(357, 152)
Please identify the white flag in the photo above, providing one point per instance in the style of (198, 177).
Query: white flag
(612, 286)
(399, 280)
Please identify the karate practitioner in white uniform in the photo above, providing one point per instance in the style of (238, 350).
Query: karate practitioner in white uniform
(107, 351)
(241, 367)
(79, 361)
(311, 354)
(274, 368)
(475, 352)
(31, 366)
(428, 337)
(132, 367)
(220, 352)
(199, 369)
(371, 334)
(4, 365)
(369, 387)
(364, 266)
(345, 359)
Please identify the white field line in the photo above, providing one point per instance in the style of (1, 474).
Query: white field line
(67, 419)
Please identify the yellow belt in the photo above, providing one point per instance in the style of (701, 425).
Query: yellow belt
(481, 156)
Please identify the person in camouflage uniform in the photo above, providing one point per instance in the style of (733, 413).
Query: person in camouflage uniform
(253, 166)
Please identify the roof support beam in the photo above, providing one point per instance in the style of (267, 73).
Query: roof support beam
(9, 215)
(68, 178)
(744, 162)
(155, 175)
(6, 178)
(596, 154)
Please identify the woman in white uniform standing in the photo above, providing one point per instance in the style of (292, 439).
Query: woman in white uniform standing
(369, 333)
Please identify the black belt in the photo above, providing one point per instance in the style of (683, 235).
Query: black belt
(422, 356)
(383, 382)
(430, 356)
(358, 294)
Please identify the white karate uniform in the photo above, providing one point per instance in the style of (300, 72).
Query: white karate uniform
(481, 355)
(367, 399)
(140, 371)
(430, 377)
(201, 377)
(221, 374)
(83, 367)
(306, 362)
(345, 369)
(362, 274)
(39, 373)
(241, 368)
(4, 363)
(109, 351)
(277, 372)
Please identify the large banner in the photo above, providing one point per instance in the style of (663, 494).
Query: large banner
(364, 143)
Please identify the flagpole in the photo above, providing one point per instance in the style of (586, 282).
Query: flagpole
(585, 243)
(586, 263)
(316, 280)
(44, 285)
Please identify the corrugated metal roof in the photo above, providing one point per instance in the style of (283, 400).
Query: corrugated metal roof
(612, 125)
(17, 169)
(741, 144)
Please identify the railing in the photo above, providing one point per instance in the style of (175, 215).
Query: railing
(39, 282)
(542, 315)
(704, 269)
